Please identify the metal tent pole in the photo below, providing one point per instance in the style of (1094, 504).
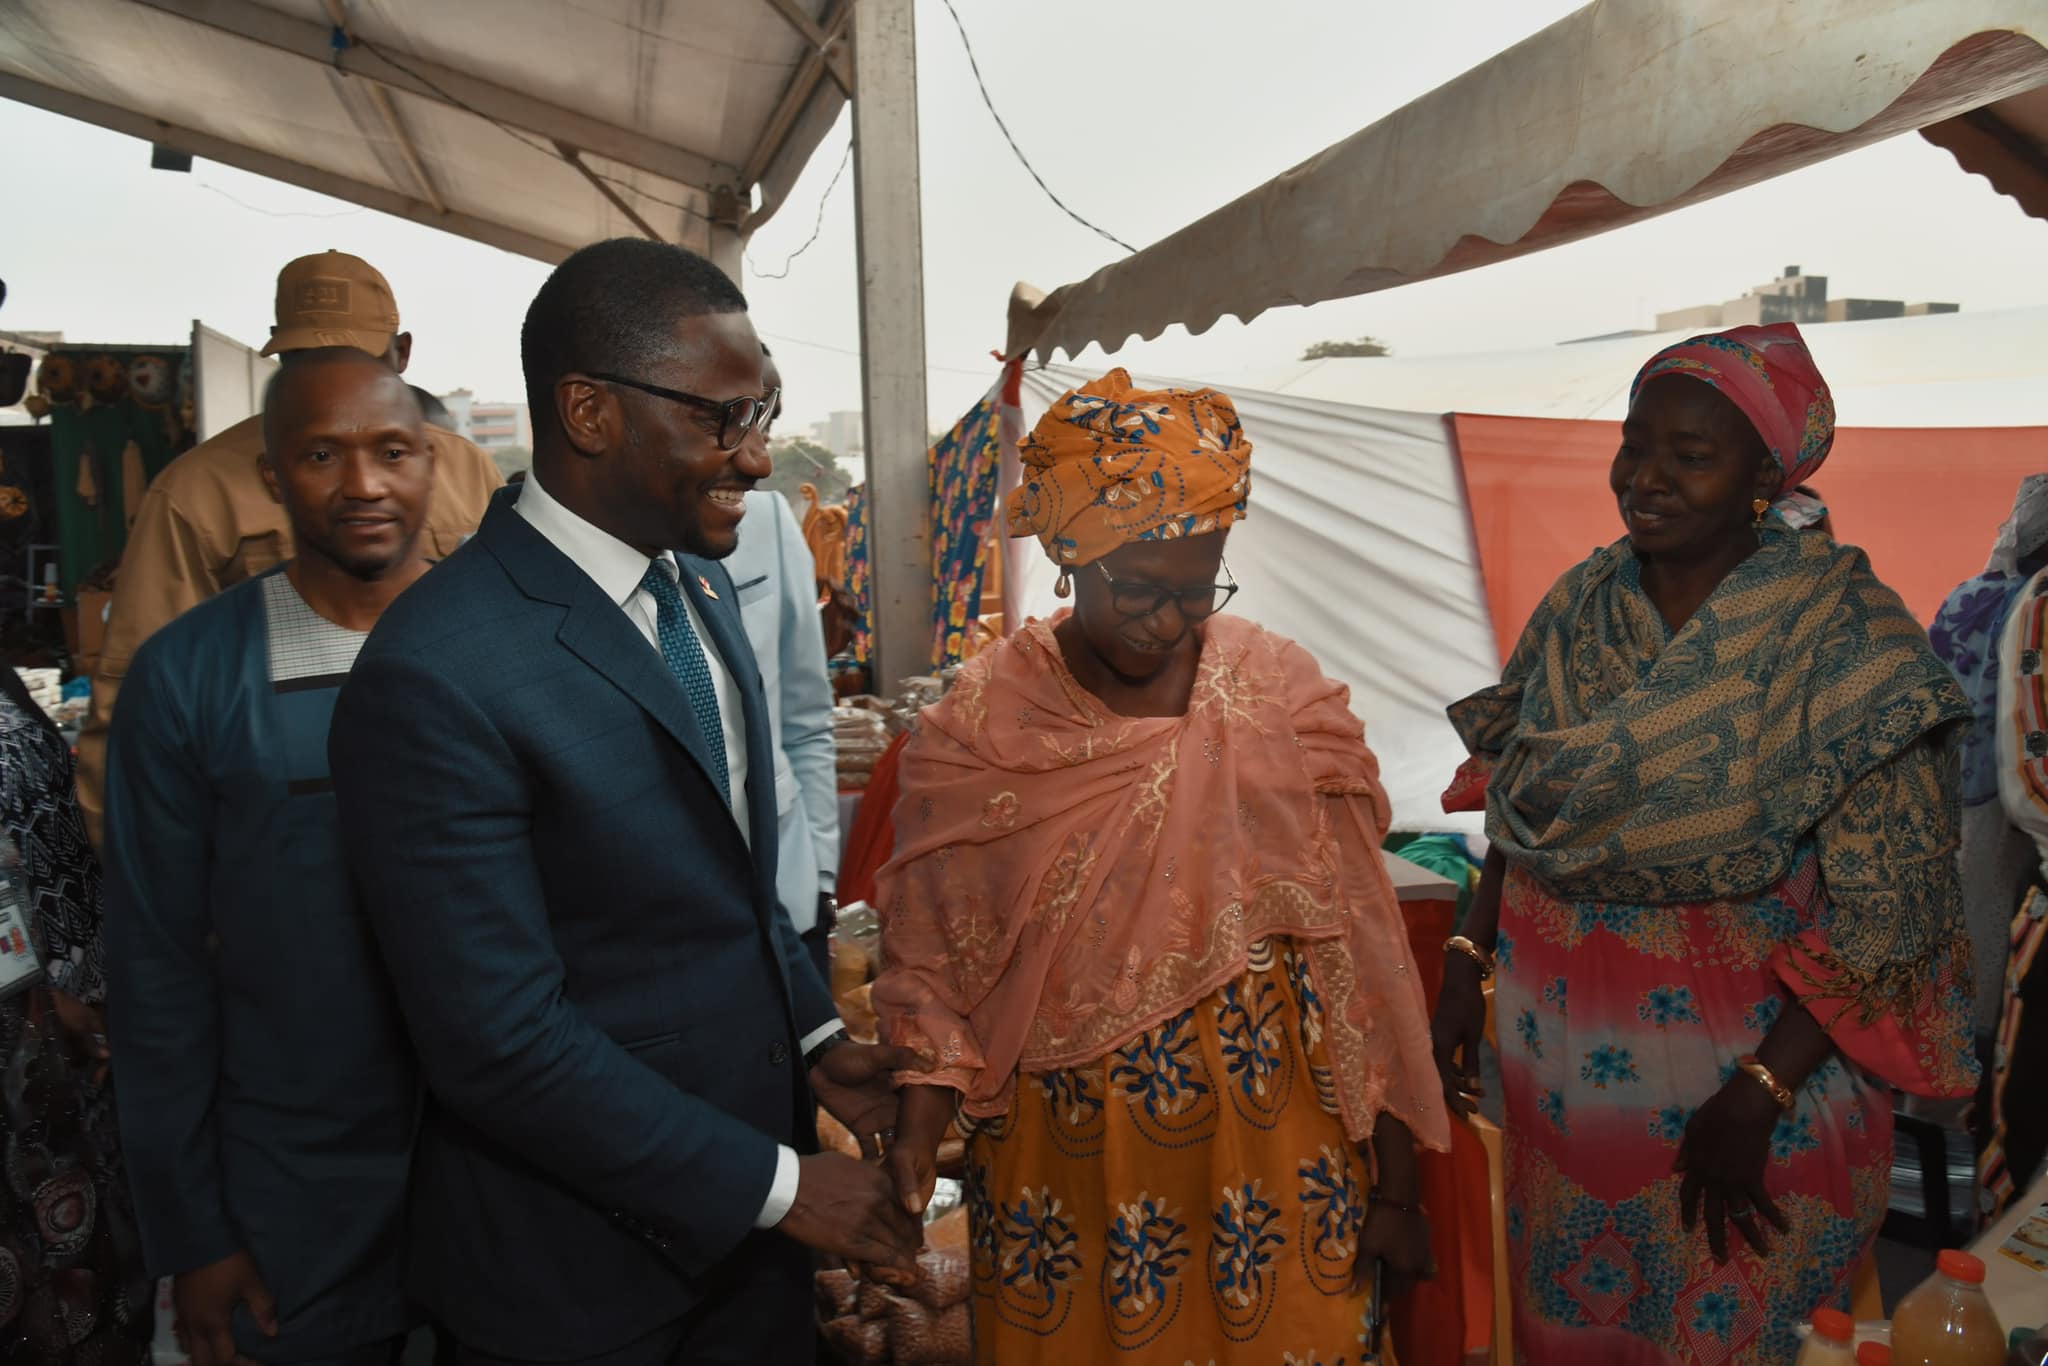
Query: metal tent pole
(891, 256)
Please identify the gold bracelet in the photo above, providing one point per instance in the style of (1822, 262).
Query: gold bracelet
(1765, 1078)
(1458, 943)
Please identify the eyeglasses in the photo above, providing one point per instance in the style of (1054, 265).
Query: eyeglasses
(736, 416)
(1132, 599)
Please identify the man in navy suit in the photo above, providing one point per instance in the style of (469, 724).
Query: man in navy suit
(557, 793)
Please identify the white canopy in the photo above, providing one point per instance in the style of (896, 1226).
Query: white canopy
(533, 125)
(1624, 110)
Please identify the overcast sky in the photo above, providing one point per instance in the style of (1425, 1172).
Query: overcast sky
(1142, 114)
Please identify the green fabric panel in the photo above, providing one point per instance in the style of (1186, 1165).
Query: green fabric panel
(1445, 856)
(90, 535)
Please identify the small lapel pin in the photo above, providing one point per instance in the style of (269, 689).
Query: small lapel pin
(705, 584)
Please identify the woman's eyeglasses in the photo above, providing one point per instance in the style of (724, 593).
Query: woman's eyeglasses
(736, 416)
(1134, 598)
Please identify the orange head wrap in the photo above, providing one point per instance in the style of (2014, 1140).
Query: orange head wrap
(1108, 464)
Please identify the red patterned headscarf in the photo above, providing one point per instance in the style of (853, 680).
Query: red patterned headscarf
(1769, 374)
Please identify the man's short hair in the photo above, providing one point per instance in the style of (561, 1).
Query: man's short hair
(613, 307)
(299, 363)
(433, 409)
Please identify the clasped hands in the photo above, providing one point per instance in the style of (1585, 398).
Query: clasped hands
(852, 1209)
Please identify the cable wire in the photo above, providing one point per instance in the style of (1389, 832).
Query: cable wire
(273, 213)
(1021, 158)
(847, 351)
(816, 228)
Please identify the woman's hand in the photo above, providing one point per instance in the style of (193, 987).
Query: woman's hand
(86, 1027)
(912, 1160)
(1398, 1239)
(1396, 1233)
(1722, 1158)
(856, 1083)
(1460, 1020)
(1455, 1032)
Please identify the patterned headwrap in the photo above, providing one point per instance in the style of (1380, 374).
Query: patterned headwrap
(1109, 464)
(1769, 374)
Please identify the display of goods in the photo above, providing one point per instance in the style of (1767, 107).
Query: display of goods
(853, 964)
(837, 1292)
(861, 736)
(924, 1323)
(919, 1336)
(57, 376)
(107, 378)
(834, 1137)
(45, 689)
(942, 1268)
(858, 1342)
(152, 380)
(857, 1012)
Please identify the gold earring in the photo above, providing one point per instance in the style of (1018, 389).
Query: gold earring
(1762, 506)
(1065, 587)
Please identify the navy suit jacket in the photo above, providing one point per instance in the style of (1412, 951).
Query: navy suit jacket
(606, 999)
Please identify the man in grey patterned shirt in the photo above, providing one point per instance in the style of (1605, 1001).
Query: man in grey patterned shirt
(268, 1096)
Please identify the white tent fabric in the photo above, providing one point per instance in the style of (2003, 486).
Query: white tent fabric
(533, 125)
(1624, 110)
(1948, 370)
(1357, 545)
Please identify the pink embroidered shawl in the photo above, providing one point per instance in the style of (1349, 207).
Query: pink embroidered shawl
(1066, 878)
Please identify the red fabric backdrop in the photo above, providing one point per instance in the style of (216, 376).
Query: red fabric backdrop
(1924, 502)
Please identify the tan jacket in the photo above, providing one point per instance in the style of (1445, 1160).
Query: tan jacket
(207, 524)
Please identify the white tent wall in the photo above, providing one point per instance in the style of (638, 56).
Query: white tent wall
(1357, 545)
(1984, 369)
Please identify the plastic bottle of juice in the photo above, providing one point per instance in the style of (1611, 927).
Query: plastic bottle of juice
(1873, 1354)
(1833, 1332)
(1947, 1321)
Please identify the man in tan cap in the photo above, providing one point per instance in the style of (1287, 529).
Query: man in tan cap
(209, 522)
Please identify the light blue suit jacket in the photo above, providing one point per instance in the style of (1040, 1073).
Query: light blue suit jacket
(777, 585)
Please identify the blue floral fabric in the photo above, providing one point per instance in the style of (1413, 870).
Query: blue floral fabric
(1190, 1196)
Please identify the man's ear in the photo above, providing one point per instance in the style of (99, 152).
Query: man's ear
(589, 414)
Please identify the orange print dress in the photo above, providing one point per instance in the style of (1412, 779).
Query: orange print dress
(1160, 960)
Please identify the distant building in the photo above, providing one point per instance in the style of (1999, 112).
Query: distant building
(458, 404)
(493, 426)
(1793, 297)
(842, 433)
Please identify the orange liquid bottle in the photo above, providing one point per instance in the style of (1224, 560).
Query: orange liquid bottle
(1829, 1345)
(1947, 1321)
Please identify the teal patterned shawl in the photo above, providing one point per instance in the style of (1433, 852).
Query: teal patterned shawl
(1636, 764)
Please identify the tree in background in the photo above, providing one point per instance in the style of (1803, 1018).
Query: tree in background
(1334, 350)
(511, 459)
(799, 462)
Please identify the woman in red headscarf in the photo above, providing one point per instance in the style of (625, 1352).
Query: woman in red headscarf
(1138, 914)
(1720, 777)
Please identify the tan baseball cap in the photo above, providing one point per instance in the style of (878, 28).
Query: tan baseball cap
(333, 299)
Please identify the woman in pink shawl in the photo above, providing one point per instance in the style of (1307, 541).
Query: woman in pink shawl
(1138, 912)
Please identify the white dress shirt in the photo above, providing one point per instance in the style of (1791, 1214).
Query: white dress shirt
(617, 568)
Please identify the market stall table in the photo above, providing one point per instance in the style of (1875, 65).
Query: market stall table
(2018, 1294)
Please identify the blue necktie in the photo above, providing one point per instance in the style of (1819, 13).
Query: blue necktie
(685, 656)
